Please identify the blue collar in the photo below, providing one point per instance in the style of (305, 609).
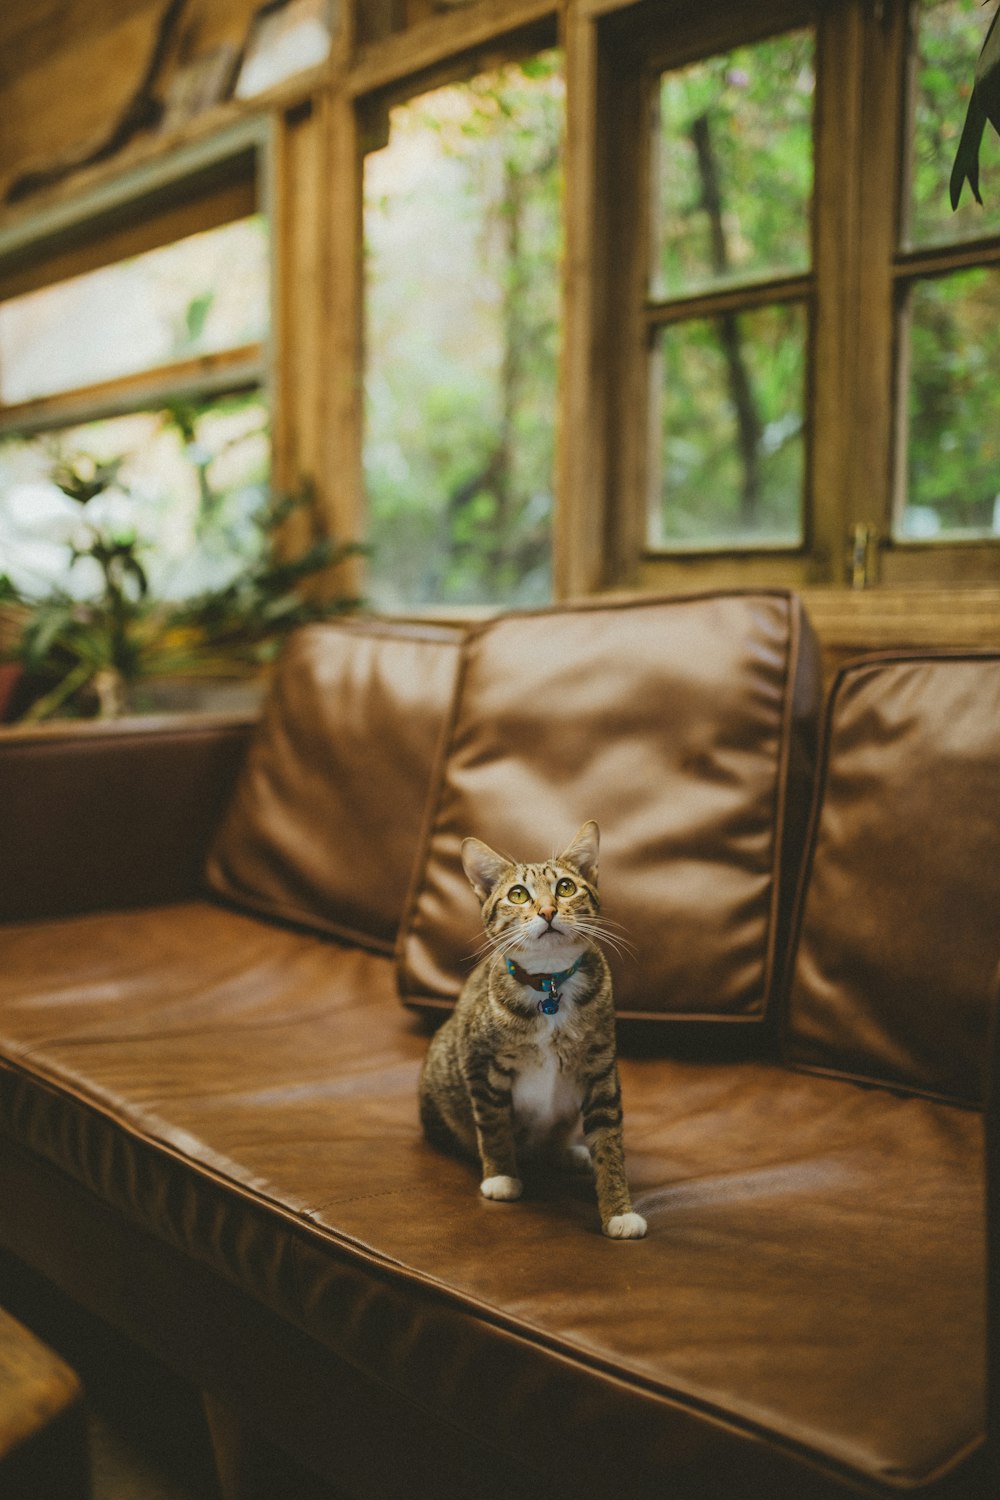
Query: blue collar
(549, 984)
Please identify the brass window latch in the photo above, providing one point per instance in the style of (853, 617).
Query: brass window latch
(862, 555)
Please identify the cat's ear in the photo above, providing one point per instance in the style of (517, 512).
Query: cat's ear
(483, 865)
(582, 852)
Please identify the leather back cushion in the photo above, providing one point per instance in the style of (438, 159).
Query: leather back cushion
(326, 819)
(111, 812)
(678, 724)
(900, 922)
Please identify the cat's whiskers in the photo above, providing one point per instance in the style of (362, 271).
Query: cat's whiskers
(508, 940)
(602, 928)
(592, 928)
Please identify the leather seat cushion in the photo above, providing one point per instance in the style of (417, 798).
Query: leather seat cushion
(326, 817)
(808, 1300)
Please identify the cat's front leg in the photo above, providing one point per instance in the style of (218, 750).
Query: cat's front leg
(490, 1091)
(602, 1126)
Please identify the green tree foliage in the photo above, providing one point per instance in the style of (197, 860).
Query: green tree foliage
(951, 323)
(735, 183)
(736, 166)
(463, 246)
(953, 452)
(735, 188)
(720, 486)
(983, 108)
(949, 37)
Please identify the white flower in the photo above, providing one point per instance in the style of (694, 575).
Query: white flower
(39, 512)
(113, 514)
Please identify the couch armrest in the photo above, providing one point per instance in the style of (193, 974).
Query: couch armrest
(96, 815)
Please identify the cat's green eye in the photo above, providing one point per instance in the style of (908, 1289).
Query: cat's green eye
(518, 894)
(565, 887)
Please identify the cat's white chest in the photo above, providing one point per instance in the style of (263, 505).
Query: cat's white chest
(543, 1095)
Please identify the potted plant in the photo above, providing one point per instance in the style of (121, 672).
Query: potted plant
(80, 657)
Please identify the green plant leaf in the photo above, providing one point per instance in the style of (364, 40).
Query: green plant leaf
(87, 479)
(984, 105)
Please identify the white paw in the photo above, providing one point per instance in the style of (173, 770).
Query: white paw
(501, 1189)
(629, 1226)
(577, 1159)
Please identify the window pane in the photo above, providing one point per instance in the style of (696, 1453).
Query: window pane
(190, 480)
(953, 410)
(197, 296)
(735, 166)
(732, 403)
(950, 36)
(462, 214)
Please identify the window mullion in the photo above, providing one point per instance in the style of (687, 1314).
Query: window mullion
(860, 68)
(189, 379)
(729, 299)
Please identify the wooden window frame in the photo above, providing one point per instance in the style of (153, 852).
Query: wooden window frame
(858, 268)
(396, 72)
(616, 53)
(201, 186)
(908, 560)
(737, 294)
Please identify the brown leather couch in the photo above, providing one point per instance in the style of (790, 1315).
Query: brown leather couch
(223, 953)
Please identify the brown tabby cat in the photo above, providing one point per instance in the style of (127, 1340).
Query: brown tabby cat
(530, 1045)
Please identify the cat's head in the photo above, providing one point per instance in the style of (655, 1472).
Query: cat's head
(546, 912)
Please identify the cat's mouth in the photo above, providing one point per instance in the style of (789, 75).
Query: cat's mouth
(552, 932)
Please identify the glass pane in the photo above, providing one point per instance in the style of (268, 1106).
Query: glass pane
(197, 296)
(732, 430)
(189, 482)
(462, 238)
(950, 36)
(735, 166)
(953, 408)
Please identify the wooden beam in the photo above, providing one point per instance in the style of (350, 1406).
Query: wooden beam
(204, 375)
(109, 195)
(676, 573)
(72, 255)
(626, 154)
(441, 40)
(662, 34)
(875, 410)
(853, 623)
(579, 525)
(591, 9)
(936, 260)
(710, 303)
(153, 161)
(837, 334)
(340, 480)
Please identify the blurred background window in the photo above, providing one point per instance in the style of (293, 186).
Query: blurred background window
(157, 360)
(947, 274)
(462, 255)
(727, 317)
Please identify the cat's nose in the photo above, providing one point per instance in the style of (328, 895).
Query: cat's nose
(547, 913)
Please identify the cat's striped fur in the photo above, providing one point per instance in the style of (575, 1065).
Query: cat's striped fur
(510, 1074)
